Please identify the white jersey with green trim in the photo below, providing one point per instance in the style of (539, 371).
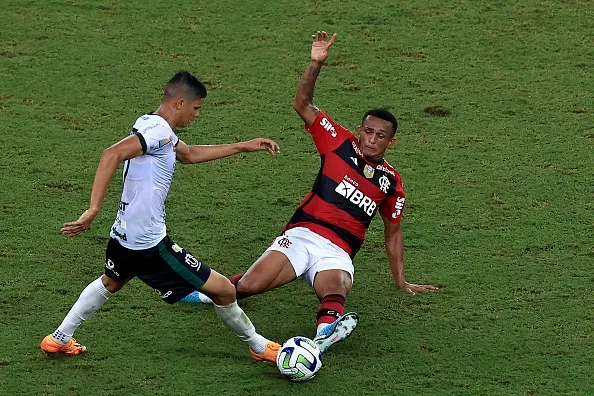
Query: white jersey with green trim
(140, 222)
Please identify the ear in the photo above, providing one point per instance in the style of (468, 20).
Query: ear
(392, 142)
(179, 103)
(359, 130)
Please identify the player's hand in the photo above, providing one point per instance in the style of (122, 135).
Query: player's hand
(320, 46)
(83, 223)
(412, 289)
(261, 144)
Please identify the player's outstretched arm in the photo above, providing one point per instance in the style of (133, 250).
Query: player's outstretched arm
(202, 153)
(395, 249)
(127, 148)
(303, 103)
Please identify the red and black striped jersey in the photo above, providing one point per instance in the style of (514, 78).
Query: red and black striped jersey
(349, 189)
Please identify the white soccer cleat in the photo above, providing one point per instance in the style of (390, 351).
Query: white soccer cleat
(340, 329)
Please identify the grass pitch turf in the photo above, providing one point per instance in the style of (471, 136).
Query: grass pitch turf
(494, 100)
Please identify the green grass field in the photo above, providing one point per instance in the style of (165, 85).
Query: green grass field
(499, 213)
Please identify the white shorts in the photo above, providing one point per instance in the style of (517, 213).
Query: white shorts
(310, 253)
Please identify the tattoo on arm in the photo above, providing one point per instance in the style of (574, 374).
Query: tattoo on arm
(308, 83)
(303, 102)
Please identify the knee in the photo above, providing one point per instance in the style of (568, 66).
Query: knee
(112, 285)
(346, 284)
(340, 283)
(249, 286)
(225, 295)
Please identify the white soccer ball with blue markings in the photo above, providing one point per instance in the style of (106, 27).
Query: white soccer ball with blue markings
(299, 359)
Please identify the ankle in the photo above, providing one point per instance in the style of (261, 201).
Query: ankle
(60, 337)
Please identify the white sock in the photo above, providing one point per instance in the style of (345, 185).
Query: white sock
(238, 321)
(89, 302)
(204, 298)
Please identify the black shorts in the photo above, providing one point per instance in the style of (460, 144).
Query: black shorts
(169, 269)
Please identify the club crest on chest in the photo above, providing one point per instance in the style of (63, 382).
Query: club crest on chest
(368, 171)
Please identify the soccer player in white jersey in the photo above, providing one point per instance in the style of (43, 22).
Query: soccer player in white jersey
(139, 245)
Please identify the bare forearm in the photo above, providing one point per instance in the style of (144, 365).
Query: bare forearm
(305, 90)
(395, 252)
(105, 170)
(203, 153)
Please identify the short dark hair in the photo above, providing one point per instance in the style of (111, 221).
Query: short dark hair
(186, 85)
(384, 115)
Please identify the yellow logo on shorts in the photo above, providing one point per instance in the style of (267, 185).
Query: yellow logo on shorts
(176, 248)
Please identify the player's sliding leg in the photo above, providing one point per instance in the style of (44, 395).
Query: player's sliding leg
(332, 287)
(273, 269)
(89, 302)
(331, 308)
(222, 293)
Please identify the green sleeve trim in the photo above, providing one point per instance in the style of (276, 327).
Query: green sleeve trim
(142, 141)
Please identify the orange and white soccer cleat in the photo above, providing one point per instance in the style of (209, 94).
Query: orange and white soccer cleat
(49, 345)
(269, 354)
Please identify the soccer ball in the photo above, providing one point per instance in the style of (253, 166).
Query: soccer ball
(299, 359)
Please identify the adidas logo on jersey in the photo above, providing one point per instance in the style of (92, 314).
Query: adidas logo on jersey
(356, 197)
(328, 126)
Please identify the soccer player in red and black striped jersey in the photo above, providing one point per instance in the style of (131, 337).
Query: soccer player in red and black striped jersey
(325, 233)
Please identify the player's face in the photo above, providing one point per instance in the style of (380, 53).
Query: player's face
(189, 110)
(375, 136)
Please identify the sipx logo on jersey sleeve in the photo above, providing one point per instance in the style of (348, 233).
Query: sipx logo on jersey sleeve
(398, 206)
(327, 125)
(326, 133)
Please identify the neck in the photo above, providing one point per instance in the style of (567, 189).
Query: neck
(167, 114)
(374, 160)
